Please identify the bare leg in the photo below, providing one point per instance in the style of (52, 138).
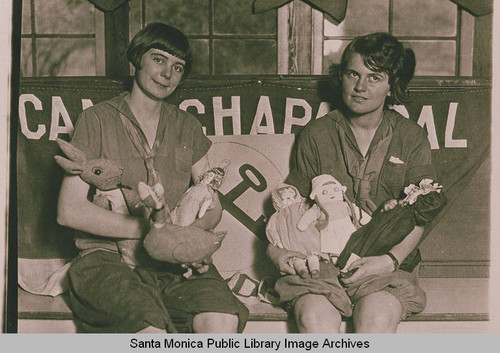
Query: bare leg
(152, 329)
(315, 314)
(215, 323)
(377, 313)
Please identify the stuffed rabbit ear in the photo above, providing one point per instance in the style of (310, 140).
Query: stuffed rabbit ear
(69, 166)
(71, 151)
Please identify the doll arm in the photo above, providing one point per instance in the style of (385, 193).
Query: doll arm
(204, 206)
(310, 216)
(272, 234)
(74, 210)
(212, 217)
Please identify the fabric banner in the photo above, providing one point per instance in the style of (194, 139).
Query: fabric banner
(455, 113)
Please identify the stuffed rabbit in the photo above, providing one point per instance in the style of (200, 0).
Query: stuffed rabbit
(181, 245)
(105, 175)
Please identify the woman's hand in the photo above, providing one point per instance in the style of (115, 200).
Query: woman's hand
(212, 217)
(282, 258)
(370, 265)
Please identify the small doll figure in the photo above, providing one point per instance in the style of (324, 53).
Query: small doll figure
(332, 213)
(315, 273)
(282, 231)
(394, 220)
(198, 198)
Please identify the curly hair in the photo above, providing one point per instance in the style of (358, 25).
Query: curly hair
(163, 37)
(381, 52)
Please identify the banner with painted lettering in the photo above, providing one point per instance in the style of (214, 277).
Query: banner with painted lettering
(455, 113)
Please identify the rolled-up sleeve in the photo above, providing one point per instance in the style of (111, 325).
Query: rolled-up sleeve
(201, 144)
(87, 134)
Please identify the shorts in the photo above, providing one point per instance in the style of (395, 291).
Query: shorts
(402, 284)
(107, 296)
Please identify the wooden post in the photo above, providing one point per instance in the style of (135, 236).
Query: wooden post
(8, 286)
(300, 28)
(483, 46)
(116, 29)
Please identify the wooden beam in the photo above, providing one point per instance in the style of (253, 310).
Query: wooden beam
(299, 40)
(116, 33)
(483, 46)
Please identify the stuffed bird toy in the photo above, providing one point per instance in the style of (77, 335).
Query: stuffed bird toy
(168, 242)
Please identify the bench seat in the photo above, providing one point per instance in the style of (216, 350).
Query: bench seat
(453, 305)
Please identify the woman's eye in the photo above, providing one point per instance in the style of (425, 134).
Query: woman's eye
(336, 189)
(179, 69)
(158, 60)
(97, 171)
(324, 192)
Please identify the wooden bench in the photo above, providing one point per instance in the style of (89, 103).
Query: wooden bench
(454, 305)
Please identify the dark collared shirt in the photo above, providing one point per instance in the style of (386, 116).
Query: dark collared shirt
(399, 155)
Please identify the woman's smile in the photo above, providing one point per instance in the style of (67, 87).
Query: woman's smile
(359, 99)
(161, 85)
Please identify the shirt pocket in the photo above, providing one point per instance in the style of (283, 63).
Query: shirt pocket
(183, 159)
(394, 175)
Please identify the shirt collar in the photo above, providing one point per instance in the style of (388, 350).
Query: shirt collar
(385, 128)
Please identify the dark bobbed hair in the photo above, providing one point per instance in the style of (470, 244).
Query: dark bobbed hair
(163, 37)
(381, 52)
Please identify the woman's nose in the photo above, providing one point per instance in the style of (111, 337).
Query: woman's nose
(360, 85)
(167, 71)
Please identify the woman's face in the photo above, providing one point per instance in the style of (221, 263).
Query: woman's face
(363, 91)
(160, 73)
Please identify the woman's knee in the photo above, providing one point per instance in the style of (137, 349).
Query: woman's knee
(378, 312)
(152, 329)
(215, 323)
(316, 314)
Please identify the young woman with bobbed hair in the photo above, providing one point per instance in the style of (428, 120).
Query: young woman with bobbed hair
(153, 141)
(376, 153)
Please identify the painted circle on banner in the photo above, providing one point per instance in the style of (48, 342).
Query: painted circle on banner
(246, 199)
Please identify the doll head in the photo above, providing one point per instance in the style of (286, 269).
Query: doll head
(326, 189)
(285, 195)
(215, 176)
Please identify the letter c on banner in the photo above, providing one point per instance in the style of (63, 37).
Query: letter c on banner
(23, 120)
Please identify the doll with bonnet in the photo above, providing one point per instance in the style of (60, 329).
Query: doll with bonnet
(314, 276)
(331, 213)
